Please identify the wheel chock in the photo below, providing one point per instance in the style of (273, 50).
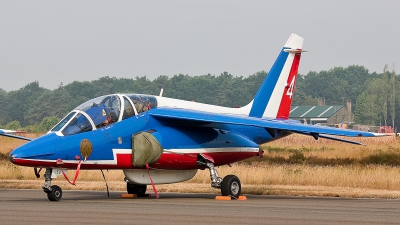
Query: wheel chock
(129, 195)
(135, 196)
(228, 198)
(242, 198)
(223, 198)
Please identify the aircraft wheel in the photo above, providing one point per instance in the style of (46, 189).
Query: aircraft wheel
(231, 186)
(55, 194)
(140, 190)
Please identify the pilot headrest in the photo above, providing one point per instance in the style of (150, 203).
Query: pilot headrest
(98, 113)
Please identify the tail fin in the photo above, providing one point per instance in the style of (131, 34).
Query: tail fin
(275, 95)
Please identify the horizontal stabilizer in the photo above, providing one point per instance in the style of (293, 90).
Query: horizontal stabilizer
(317, 136)
(339, 139)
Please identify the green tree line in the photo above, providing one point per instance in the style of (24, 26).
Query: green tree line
(373, 94)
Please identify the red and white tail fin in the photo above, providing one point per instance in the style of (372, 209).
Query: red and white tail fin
(275, 95)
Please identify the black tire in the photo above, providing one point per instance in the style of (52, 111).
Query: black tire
(231, 186)
(55, 194)
(139, 190)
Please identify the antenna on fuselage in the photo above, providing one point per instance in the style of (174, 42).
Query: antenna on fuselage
(161, 92)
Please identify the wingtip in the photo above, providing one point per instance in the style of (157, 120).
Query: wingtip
(371, 134)
(380, 134)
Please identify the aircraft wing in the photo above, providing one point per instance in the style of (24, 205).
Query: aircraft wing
(193, 118)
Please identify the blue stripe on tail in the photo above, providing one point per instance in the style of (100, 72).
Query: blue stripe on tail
(263, 95)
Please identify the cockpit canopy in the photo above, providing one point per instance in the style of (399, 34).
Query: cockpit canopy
(103, 111)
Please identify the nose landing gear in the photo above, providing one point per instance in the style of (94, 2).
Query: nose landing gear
(54, 192)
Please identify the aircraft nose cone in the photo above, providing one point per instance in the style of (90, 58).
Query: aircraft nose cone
(40, 148)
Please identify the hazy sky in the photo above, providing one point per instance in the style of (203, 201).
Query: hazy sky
(62, 41)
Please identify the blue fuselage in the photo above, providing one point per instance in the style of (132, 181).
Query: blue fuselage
(175, 139)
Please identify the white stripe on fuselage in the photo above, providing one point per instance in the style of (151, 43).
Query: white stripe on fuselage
(210, 150)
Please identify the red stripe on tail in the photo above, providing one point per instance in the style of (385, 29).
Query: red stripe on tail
(287, 97)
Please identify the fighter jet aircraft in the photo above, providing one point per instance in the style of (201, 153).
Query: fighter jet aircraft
(160, 140)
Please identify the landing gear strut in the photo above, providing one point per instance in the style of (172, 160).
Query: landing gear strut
(54, 192)
(139, 190)
(216, 180)
(230, 185)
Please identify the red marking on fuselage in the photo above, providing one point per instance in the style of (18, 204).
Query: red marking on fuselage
(169, 161)
(287, 97)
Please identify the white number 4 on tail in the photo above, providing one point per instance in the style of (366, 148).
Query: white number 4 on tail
(290, 90)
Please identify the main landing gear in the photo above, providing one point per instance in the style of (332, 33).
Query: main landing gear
(54, 192)
(139, 190)
(230, 185)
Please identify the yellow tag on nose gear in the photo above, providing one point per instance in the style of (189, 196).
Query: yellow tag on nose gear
(86, 148)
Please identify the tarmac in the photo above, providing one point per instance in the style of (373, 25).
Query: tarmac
(94, 207)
